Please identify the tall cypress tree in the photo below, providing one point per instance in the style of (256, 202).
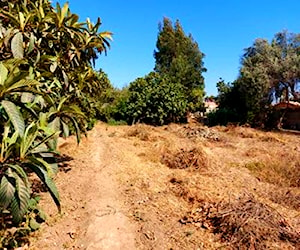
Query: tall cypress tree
(179, 58)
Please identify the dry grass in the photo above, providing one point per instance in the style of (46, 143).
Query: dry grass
(288, 197)
(243, 160)
(244, 224)
(194, 158)
(173, 170)
(183, 189)
(142, 132)
(241, 132)
(281, 173)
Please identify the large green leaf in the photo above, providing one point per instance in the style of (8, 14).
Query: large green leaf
(64, 10)
(8, 143)
(3, 73)
(72, 109)
(22, 21)
(12, 82)
(55, 124)
(20, 200)
(30, 135)
(61, 103)
(77, 129)
(47, 180)
(45, 165)
(31, 43)
(21, 173)
(7, 190)
(13, 62)
(14, 116)
(41, 146)
(66, 130)
(17, 46)
(22, 84)
(66, 78)
(54, 168)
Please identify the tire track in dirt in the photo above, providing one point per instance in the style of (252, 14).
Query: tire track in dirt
(109, 228)
(94, 215)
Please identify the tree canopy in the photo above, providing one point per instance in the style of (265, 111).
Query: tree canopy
(180, 59)
(277, 64)
(270, 72)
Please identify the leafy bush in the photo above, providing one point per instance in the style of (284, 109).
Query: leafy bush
(27, 145)
(154, 100)
(113, 105)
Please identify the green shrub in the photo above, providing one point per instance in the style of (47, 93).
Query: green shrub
(154, 100)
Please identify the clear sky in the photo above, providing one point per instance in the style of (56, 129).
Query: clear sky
(222, 28)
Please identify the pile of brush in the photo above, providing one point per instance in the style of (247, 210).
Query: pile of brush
(244, 224)
(194, 158)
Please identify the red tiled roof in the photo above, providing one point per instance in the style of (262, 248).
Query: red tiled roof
(289, 105)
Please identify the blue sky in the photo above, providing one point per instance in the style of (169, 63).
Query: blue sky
(221, 28)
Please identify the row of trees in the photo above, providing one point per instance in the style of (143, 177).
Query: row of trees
(270, 72)
(48, 88)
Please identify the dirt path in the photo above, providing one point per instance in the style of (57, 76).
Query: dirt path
(94, 216)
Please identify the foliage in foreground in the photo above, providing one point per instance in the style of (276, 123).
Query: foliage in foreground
(60, 50)
(47, 85)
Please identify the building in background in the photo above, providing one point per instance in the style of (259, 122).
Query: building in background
(210, 105)
(290, 118)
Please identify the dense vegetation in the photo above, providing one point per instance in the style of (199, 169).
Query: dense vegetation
(175, 87)
(48, 88)
(155, 99)
(269, 72)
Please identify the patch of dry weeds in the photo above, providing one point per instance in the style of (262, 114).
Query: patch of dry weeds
(288, 197)
(208, 204)
(282, 171)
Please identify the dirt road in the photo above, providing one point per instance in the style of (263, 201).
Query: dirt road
(94, 216)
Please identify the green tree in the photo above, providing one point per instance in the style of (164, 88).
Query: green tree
(270, 71)
(179, 58)
(231, 105)
(23, 142)
(274, 66)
